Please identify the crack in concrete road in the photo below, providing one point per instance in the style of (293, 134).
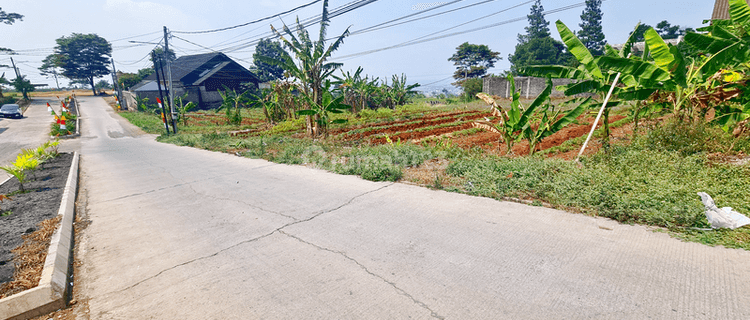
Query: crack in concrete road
(245, 242)
(242, 202)
(177, 185)
(363, 267)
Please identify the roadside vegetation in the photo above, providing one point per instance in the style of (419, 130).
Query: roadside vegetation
(676, 124)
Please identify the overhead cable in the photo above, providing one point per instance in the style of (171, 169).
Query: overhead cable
(248, 23)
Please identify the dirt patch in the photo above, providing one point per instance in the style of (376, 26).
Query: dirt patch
(20, 216)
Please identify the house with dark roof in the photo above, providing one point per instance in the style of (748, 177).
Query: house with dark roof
(201, 76)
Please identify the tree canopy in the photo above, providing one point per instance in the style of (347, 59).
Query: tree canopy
(473, 60)
(264, 70)
(83, 57)
(9, 18)
(160, 56)
(537, 47)
(591, 27)
(538, 26)
(665, 29)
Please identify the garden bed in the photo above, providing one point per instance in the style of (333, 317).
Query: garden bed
(22, 215)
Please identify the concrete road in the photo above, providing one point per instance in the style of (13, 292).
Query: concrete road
(180, 233)
(29, 132)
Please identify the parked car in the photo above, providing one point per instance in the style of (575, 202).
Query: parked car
(11, 111)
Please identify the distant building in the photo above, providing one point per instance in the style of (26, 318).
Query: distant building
(201, 76)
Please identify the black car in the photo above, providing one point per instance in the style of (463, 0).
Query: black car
(11, 111)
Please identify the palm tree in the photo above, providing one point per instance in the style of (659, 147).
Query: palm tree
(311, 68)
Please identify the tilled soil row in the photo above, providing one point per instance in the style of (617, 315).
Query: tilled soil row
(392, 123)
(397, 129)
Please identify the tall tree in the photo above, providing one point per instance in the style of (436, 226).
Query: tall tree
(264, 70)
(538, 26)
(537, 47)
(473, 60)
(9, 18)
(83, 57)
(591, 27)
(21, 84)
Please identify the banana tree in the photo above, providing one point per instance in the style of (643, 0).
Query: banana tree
(233, 104)
(321, 111)
(590, 76)
(534, 123)
(400, 90)
(311, 68)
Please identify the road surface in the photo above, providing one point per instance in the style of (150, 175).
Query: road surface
(181, 233)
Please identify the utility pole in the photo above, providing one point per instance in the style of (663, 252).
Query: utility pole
(169, 78)
(158, 85)
(116, 85)
(18, 75)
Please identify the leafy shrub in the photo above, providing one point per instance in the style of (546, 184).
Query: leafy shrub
(686, 137)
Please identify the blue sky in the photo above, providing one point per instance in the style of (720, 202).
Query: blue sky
(121, 21)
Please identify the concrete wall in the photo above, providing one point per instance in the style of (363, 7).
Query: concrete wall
(530, 87)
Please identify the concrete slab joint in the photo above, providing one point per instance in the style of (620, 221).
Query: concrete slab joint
(50, 294)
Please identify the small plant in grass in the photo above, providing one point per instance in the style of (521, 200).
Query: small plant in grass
(233, 104)
(183, 108)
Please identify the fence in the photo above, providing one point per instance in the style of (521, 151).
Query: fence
(530, 87)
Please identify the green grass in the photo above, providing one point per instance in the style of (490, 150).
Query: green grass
(148, 122)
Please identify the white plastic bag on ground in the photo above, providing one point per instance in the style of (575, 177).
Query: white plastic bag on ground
(724, 217)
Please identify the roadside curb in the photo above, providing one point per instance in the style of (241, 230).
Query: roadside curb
(50, 294)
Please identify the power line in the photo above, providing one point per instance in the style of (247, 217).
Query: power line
(474, 20)
(415, 41)
(305, 23)
(375, 27)
(247, 23)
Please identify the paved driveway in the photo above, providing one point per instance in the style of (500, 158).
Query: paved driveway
(181, 233)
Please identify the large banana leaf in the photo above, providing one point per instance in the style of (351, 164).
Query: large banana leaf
(645, 73)
(553, 71)
(740, 13)
(540, 99)
(576, 47)
(586, 86)
(709, 43)
(633, 94)
(659, 50)
(568, 118)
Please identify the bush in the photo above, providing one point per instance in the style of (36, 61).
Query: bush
(686, 137)
(471, 88)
